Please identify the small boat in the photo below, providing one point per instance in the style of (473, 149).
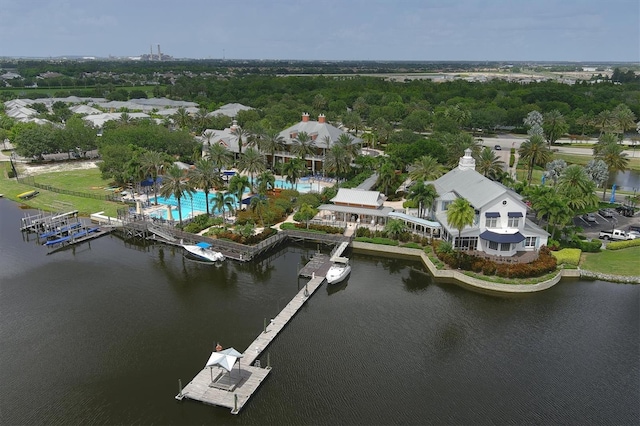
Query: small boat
(203, 251)
(338, 272)
(28, 194)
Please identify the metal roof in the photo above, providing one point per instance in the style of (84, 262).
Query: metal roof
(417, 220)
(471, 185)
(359, 197)
(381, 212)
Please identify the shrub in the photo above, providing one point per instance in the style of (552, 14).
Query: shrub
(617, 245)
(444, 247)
(553, 244)
(378, 240)
(412, 245)
(570, 256)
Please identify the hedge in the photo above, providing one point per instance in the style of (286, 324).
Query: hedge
(570, 256)
(617, 245)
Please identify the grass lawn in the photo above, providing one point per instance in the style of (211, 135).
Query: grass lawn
(634, 162)
(616, 262)
(77, 180)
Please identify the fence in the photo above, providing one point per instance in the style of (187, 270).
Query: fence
(30, 180)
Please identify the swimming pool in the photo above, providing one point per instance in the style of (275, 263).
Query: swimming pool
(197, 204)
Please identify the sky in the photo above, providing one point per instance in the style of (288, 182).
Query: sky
(420, 30)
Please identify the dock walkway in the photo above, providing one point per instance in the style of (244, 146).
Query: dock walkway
(243, 381)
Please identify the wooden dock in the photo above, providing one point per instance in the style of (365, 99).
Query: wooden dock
(216, 386)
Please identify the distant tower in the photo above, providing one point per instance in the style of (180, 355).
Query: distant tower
(159, 54)
(151, 52)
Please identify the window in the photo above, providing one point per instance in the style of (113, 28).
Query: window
(513, 222)
(493, 245)
(466, 243)
(492, 222)
(505, 246)
(445, 204)
(530, 241)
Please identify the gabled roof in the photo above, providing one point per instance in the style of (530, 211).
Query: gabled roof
(471, 185)
(84, 109)
(359, 197)
(230, 110)
(320, 129)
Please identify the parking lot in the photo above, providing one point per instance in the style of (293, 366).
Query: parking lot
(601, 223)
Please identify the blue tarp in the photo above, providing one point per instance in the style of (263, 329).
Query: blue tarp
(204, 245)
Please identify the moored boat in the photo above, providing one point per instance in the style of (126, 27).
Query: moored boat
(28, 194)
(204, 251)
(338, 272)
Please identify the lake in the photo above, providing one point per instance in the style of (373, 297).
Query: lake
(101, 333)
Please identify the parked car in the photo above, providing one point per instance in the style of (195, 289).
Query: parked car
(634, 228)
(606, 212)
(590, 217)
(634, 234)
(497, 148)
(625, 210)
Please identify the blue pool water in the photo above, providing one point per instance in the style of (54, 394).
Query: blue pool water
(198, 205)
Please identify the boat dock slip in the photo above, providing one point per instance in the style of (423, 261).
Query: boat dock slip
(233, 389)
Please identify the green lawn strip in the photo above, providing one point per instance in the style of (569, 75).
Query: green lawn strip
(634, 162)
(89, 181)
(624, 262)
(46, 200)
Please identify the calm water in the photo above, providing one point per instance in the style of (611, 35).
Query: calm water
(101, 334)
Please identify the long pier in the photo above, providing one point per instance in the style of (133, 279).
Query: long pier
(233, 389)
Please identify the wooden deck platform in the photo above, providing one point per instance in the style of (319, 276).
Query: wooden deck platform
(235, 390)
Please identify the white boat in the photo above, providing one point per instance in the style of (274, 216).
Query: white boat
(338, 272)
(203, 251)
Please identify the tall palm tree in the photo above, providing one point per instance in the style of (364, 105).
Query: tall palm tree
(294, 169)
(578, 189)
(386, 177)
(303, 145)
(624, 119)
(182, 118)
(489, 164)
(425, 168)
(273, 142)
(346, 140)
(616, 160)
(605, 121)
(456, 144)
(326, 144)
(222, 201)
(424, 195)
(206, 177)
(460, 214)
(252, 162)
(266, 182)
(258, 205)
(242, 136)
(535, 151)
(555, 125)
(175, 183)
(237, 185)
(152, 163)
(338, 161)
(220, 156)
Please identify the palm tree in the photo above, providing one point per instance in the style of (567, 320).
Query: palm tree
(258, 204)
(240, 133)
(555, 125)
(252, 162)
(369, 138)
(460, 214)
(489, 164)
(535, 151)
(182, 118)
(424, 195)
(386, 177)
(272, 143)
(326, 144)
(220, 156)
(303, 145)
(294, 169)
(615, 158)
(605, 121)
(425, 168)
(222, 201)
(237, 185)
(624, 118)
(395, 227)
(266, 182)
(456, 144)
(338, 161)
(152, 163)
(175, 183)
(578, 189)
(346, 140)
(206, 177)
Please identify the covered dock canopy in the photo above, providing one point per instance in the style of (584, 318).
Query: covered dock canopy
(417, 223)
